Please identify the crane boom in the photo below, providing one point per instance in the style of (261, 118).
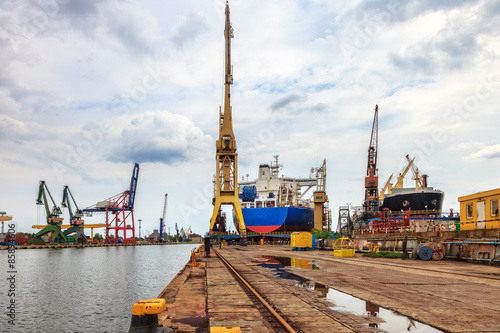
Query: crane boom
(420, 181)
(133, 186)
(387, 185)
(67, 203)
(52, 216)
(164, 217)
(402, 175)
(371, 202)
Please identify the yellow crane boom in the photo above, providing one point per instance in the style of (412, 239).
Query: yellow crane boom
(387, 186)
(401, 176)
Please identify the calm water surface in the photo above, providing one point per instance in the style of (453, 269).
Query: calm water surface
(86, 289)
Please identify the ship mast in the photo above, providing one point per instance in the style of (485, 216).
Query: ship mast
(226, 177)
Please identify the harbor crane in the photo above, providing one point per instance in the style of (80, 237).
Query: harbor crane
(387, 186)
(163, 219)
(371, 202)
(54, 222)
(420, 181)
(75, 221)
(402, 174)
(118, 209)
(226, 175)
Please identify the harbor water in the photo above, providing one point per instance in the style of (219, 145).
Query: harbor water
(85, 289)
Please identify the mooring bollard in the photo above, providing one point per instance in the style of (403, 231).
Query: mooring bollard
(405, 243)
(145, 316)
(207, 243)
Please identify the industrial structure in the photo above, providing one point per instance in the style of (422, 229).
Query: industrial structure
(163, 220)
(119, 210)
(75, 221)
(371, 202)
(322, 218)
(54, 221)
(226, 175)
(4, 218)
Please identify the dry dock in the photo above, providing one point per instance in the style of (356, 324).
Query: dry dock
(311, 293)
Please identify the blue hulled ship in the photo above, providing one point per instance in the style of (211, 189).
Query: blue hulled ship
(274, 203)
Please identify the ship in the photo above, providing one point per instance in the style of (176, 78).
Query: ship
(420, 199)
(275, 203)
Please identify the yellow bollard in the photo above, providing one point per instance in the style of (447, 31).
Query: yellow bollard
(145, 314)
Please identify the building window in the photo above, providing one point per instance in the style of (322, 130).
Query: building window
(494, 207)
(469, 211)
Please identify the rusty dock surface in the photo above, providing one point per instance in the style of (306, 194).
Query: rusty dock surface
(443, 296)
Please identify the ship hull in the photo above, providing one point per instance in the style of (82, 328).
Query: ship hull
(278, 219)
(417, 200)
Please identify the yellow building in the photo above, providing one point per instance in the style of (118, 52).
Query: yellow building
(480, 210)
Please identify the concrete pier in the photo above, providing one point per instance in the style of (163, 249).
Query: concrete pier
(448, 296)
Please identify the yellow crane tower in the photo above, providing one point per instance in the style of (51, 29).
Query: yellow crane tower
(226, 176)
(321, 217)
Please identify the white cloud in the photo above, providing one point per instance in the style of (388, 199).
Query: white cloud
(79, 90)
(489, 152)
(162, 137)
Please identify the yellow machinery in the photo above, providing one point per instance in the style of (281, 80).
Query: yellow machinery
(321, 216)
(374, 248)
(301, 240)
(387, 186)
(5, 217)
(226, 177)
(402, 175)
(194, 254)
(344, 247)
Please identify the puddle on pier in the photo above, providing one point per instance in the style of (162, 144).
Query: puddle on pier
(281, 262)
(342, 302)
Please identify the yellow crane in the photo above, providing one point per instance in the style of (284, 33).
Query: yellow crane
(321, 199)
(226, 176)
(387, 186)
(5, 217)
(401, 176)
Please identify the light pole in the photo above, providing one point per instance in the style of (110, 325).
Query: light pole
(140, 228)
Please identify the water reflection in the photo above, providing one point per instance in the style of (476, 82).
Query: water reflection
(391, 321)
(88, 289)
(272, 261)
(387, 320)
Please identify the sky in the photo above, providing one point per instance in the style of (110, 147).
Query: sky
(88, 88)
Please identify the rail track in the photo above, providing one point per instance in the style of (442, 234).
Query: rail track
(277, 320)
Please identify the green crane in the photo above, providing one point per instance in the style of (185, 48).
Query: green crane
(74, 219)
(53, 220)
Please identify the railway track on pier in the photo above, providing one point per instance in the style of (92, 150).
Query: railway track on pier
(299, 313)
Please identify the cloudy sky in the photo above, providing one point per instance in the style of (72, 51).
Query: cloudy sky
(87, 88)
